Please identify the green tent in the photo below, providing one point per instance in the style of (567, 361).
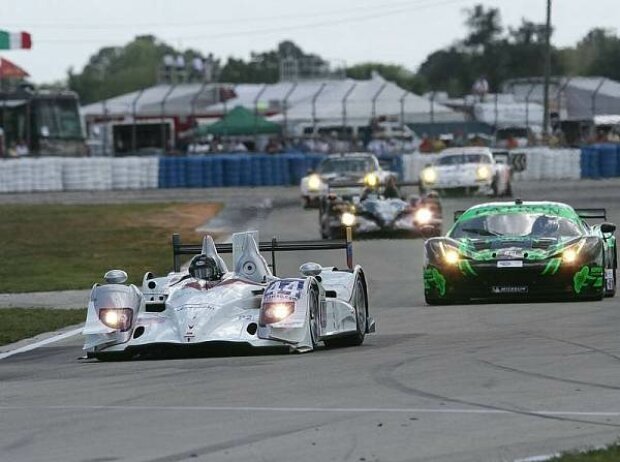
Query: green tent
(239, 122)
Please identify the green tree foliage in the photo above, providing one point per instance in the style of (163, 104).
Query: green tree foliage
(402, 76)
(114, 71)
(597, 54)
(490, 52)
(265, 67)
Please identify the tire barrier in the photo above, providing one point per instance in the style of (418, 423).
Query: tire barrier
(600, 161)
(221, 170)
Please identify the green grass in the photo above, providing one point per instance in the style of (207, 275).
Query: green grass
(58, 247)
(20, 323)
(609, 454)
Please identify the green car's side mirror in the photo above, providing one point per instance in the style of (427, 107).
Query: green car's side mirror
(607, 228)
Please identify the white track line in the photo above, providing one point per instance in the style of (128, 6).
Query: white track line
(47, 341)
(310, 409)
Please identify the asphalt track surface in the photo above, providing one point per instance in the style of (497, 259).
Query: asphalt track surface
(482, 382)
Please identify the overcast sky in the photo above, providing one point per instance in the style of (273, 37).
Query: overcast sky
(66, 33)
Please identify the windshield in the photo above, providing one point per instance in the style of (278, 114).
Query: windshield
(59, 118)
(344, 165)
(532, 225)
(458, 159)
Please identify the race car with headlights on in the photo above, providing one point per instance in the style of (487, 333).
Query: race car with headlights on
(522, 250)
(468, 171)
(355, 169)
(208, 307)
(381, 212)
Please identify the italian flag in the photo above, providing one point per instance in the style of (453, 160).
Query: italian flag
(15, 40)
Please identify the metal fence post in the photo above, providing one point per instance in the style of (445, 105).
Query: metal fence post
(104, 144)
(314, 98)
(595, 93)
(402, 110)
(163, 110)
(374, 100)
(195, 100)
(134, 105)
(527, 104)
(285, 106)
(344, 107)
(258, 95)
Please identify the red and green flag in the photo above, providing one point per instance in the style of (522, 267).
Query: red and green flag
(15, 40)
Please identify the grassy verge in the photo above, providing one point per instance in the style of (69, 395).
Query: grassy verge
(609, 454)
(20, 323)
(58, 247)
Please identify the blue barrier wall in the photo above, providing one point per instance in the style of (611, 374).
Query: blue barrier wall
(245, 169)
(600, 161)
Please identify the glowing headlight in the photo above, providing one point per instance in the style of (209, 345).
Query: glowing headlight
(347, 219)
(569, 256)
(116, 318)
(275, 312)
(371, 180)
(314, 182)
(451, 257)
(423, 216)
(483, 172)
(429, 175)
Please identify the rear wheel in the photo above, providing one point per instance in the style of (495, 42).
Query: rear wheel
(360, 303)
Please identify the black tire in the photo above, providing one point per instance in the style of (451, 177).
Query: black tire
(361, 305)
(114, 356)
(612, 293)
(508, 192)
(313, 314)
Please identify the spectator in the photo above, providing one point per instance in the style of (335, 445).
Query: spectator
(426, 145)
(12, 152)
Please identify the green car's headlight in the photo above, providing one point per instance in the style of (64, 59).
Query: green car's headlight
(571, 253)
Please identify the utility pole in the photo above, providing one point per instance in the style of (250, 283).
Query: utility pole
(547, 73)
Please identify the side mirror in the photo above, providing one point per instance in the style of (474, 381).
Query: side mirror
(608, 228)
(115, 277)
(310, 269)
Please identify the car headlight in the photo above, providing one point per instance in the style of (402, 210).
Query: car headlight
(117, 318)
(483, 173)
(570, 254)
(314, 182)
(429, 175)
(347, 219)
(449, 254)
(423, 216)
(371, 180)
(275, 312)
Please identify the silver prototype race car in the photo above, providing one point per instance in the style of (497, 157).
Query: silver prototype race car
(209, 306)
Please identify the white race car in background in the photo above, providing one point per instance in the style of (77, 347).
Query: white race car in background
(358, 168)
(248, 306)
(468, 170)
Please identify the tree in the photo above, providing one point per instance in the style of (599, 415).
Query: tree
(485, 26)
(393, 72)
(114, 71)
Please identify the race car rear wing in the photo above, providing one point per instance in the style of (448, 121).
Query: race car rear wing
(399, 184)
(273, 246)
(600, 214)
(458, 214)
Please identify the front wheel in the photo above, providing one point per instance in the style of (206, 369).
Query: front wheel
(360, 303)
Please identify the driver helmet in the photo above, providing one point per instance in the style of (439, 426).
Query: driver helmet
(545, 226)
(205, 267)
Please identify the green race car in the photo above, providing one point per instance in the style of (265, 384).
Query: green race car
(521, 251)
